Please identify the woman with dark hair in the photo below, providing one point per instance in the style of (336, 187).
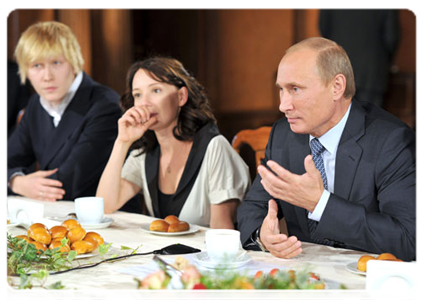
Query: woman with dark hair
(179, 161)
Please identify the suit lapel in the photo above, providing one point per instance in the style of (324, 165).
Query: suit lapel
(298, 149)
(72, 118)
(349, 151)
(152, 160)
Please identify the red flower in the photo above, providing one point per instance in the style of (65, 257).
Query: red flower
(198, 292)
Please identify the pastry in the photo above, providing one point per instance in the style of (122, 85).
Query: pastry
(58, 232)
(82, 247)
(76, 234)
(178, 227)
(159, 225)
(40, 234)
(71, 223)
(171, 219)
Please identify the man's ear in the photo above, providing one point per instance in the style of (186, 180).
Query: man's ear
(183, 96)
(339, 85)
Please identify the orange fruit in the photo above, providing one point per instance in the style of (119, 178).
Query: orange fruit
(386, 256)
(362, 262)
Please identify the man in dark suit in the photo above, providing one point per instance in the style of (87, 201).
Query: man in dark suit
(357, 188)
(69, 125)
(370, 37)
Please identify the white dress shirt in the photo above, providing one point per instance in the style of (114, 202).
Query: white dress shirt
(330, 141)
(57, 112)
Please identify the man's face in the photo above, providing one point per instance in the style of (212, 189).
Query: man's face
(51, 78)
(307, 103)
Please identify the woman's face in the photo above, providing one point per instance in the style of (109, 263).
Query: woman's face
(161, 99)
(51, 78)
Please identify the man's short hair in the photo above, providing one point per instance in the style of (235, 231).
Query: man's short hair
(46, 40)
(331, 61)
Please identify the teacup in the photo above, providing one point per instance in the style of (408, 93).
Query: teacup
(89, 210)
(222, 244)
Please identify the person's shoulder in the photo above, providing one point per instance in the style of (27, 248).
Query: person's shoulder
(100, 91)
(378, 118)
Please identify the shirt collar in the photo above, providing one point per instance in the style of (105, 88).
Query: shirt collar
(330, 139)
(57, 112)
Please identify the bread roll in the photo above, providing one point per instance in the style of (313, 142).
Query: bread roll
(178, 227)
(58, 232)
(386, 256)
(71, 223)
(82, 247)
(40, 234)
(362, 262)
(76, 234)
(39, 246)
(171, 219)
(58, 244)
(159, 225)
(35, 225)
(97, 237)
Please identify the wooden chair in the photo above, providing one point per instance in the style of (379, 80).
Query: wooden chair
(256, 139)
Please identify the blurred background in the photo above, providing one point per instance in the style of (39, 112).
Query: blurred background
(234, 53)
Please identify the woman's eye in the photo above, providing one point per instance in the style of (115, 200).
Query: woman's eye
(157, 91)
(56, 62)
(137, 95)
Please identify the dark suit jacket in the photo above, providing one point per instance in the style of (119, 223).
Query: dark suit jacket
(373, 207)
(17, 96)
(370, 38)
(79, 147)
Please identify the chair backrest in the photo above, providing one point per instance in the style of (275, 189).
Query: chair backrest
(256, 139)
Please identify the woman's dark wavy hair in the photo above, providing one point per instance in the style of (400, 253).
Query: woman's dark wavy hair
(193, 115)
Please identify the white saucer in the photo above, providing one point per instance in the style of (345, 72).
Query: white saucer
(106, 222)
(192, 229)
(352, 267)
(203, 260)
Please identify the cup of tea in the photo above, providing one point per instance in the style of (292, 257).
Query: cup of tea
(89, 210)
(222, 245)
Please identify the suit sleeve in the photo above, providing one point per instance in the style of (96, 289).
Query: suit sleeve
(387, 223)
(254, 207)
(81, 170)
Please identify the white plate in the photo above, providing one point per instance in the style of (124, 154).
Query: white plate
(352, 267)
(104, 224)
(13, 225)
(203, 260)
(192, 229)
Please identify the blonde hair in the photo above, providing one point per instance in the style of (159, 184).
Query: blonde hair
(46, 40)
(331, 61)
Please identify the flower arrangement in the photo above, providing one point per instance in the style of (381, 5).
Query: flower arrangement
(191, 278)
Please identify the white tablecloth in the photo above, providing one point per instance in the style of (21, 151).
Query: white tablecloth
(106, 280)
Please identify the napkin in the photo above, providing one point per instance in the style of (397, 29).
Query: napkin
(392, 280)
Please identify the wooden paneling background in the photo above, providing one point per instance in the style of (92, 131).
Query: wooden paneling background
(234, 53)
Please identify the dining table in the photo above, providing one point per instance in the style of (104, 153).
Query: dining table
(127, 233)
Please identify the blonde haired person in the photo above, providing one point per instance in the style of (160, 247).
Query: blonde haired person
(179, 162)
(69, 124)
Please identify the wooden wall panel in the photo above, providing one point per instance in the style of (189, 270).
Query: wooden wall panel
(112, 53)
(405, 59)
(249, 45)
(79, 20)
